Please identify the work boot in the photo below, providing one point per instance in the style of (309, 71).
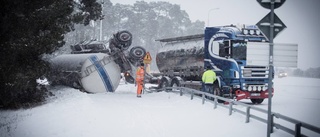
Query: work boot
(139, 96)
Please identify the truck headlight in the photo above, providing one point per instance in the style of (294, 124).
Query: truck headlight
(251, 32)
(254, 88)
(259, 88)
(245, 32)
(258, 32)
(265, 87)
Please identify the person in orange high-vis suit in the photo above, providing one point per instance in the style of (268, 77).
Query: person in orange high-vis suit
(140, 79)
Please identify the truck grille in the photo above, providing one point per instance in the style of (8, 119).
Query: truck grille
(255, 71)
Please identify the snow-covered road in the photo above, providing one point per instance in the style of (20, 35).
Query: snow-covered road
(121, 114)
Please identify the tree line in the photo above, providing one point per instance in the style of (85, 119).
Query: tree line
(146, 21)
(310, 72)
(32, 29)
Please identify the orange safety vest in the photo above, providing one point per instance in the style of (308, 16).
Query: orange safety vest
(140, 75)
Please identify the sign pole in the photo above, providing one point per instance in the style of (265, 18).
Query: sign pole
(147, 61)
(267, 27)
(270, 83)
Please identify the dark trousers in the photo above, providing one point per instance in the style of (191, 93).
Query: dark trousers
(208, 88)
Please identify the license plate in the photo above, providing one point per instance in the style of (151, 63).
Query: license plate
(255, 94)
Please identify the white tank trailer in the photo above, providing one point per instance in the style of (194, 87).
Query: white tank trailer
(95, 67)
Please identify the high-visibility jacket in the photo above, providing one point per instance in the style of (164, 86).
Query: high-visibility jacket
(140, 74)
(209, 77)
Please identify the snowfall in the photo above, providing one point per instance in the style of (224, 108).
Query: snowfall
(71, 113)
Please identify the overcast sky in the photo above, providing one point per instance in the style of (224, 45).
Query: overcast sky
(300, 16)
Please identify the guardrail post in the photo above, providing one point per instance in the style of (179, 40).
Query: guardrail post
(181, 92)
(215, 102)
(298, 130)
(203, 99)
(272, 124)
(230, 107)
(248, 115)
(192, 93)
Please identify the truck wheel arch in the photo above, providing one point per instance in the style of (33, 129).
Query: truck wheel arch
(218, 82)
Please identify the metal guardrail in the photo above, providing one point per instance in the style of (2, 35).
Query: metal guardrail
(298, 124)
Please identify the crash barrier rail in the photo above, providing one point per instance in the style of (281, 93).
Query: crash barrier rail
(298, 124)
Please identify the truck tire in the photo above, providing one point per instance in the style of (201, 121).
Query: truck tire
(123, 39)
(257, 101)
(217, 92)
(137, 53)
(123, 36)
(164, 82)
(175, 82)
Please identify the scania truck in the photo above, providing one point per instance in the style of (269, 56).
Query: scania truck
(181, 62)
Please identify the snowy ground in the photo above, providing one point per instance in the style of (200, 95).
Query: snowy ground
(121, 114)
(298, 98)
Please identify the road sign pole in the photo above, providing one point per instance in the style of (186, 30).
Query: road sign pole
(270, 83)
(266, 25)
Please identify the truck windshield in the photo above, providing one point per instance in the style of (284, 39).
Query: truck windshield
(239, 50)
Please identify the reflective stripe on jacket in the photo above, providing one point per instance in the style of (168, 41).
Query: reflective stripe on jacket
(209, 77)
(140, 75)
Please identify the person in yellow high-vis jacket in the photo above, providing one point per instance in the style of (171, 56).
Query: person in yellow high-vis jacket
(140, 79)
(208, 78)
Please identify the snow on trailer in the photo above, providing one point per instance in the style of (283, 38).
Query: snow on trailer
(182, 55)
(96, 67)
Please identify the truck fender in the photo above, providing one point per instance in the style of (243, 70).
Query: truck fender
(218, 82)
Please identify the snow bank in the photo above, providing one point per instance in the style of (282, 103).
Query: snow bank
(121, 114)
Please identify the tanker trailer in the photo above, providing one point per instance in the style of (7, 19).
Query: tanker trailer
(95, 67)
(94, 72)
(181, 61)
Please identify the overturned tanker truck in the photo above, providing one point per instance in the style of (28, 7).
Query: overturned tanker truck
(96, 66)
(182, 60)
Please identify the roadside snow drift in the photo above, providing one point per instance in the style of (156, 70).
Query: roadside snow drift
(121, 114)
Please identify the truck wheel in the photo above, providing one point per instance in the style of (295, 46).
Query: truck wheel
(217, 92)
(124, 38)
(175, 83)
(164, 82)
(257, 101)
(137, 53)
